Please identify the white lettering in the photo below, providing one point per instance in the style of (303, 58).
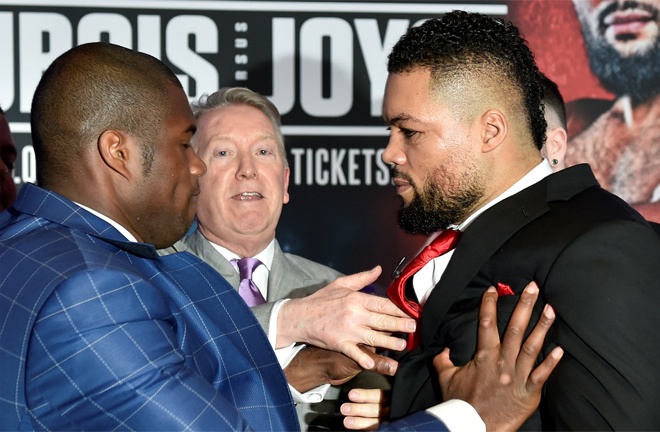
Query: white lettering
(148, 35)
(179, 53)
(7, 64)
(353, 167)
(92, 26)
(368, 155)
(37, 29)
(322, 177)
(339, 167)
(383, 174)
(337, 158)
(297, 164)
(375, 54)
(284, 72)
(340, 35)
(28, 165)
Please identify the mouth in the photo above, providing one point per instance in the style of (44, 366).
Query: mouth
(628, 23)
(401, 185)
(248, 196)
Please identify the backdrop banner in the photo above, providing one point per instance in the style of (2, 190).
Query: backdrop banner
(323, 65)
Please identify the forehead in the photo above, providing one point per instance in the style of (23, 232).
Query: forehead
(411, 95)
(235, 122)
(181, 119)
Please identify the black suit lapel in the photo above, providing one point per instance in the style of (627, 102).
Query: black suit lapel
(415, 379)
(413, 385)
(479, 242)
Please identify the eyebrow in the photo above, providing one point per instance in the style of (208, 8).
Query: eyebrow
(400, 118)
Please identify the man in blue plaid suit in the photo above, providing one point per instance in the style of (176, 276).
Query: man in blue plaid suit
(97, 331)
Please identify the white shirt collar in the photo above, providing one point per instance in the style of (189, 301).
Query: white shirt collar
(130, 237)
(538, 173)
(265, 256)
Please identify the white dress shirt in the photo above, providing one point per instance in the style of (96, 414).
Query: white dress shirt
(286, 354)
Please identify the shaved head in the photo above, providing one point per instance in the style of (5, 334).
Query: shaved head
(92, 88)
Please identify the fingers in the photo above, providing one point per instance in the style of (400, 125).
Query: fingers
(487, 337)
(540, 375)
(358, 281)
(359, 423)
(384, 306)
(361, 357)
(444, 365)
(515, 331)
(532, 348)
(359, 395)
(382, 365)
(364, 410)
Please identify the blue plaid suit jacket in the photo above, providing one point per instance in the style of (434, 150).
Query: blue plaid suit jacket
(97, 333)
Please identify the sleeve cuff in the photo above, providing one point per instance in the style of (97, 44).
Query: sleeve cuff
(458, 415)
(314, 395)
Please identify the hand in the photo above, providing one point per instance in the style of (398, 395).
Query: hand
(366, 409)
(313, 366)
(339, 318)
(499, 382)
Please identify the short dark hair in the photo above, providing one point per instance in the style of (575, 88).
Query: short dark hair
(92, 88)
(464, 45)
(552, 99)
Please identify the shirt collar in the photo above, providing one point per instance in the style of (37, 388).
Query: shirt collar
(130, 237)
(265, 256)
(538, 173)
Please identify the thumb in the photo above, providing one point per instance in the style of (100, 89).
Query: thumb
(443, 364)
(357, 281)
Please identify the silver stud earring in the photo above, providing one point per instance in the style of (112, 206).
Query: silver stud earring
(555, 161)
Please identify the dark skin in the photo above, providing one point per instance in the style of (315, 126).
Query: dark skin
(500, 382)
(157, 207)
(313, 366)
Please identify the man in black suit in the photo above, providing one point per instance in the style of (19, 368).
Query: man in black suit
(463, 101)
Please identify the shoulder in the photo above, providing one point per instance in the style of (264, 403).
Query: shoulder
(312, 268)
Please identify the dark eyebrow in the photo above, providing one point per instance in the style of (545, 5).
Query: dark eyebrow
(399, 119)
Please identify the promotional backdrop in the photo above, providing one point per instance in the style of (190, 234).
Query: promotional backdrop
(321, 63)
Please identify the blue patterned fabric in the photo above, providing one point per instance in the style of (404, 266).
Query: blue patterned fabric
(97, 333)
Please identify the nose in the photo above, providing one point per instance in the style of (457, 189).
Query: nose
(246, 168)
(4, 171)
(393, 154)
(197, 166)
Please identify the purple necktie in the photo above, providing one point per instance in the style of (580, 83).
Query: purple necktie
(247, 289)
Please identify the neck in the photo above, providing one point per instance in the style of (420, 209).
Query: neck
(241, 245)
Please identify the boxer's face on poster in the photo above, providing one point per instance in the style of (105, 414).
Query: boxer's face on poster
(629, 27)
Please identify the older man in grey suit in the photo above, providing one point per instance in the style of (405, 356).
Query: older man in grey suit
(240, 140)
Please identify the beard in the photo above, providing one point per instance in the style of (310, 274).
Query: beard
(636, 75)
(432, 210)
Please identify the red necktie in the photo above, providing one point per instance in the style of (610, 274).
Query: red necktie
(442, 244)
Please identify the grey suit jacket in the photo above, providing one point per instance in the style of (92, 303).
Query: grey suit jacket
(291, 276)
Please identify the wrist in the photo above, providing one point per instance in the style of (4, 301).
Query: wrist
(289, 326)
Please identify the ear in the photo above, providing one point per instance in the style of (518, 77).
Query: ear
(494, 129)
(555, 144)
(287, 173)
(117, 152)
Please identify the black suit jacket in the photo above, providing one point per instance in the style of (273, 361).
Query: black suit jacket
(597, 262)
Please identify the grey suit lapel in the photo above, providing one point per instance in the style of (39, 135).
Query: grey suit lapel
(197, 244)
(282, 277)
